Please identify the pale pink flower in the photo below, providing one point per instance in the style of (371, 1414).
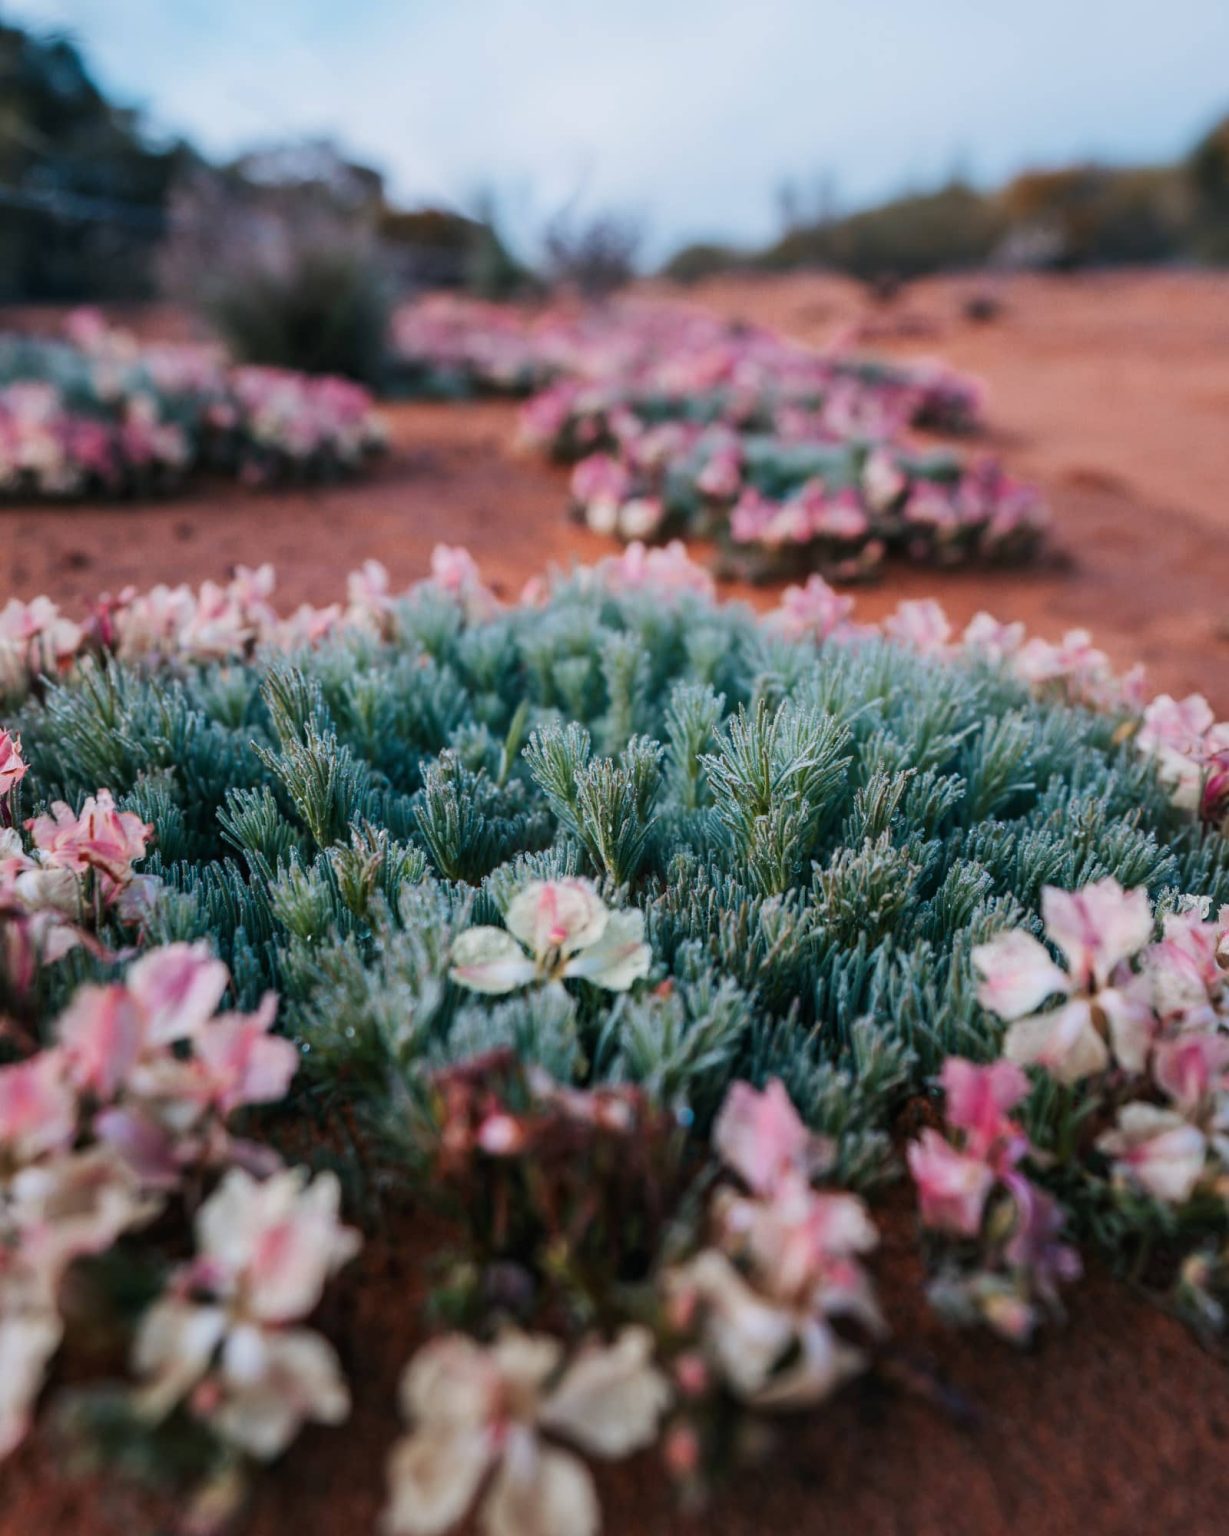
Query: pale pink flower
(1188, 979)
(759, 1135)
(479, 1414)
(264, 1253)
(1078, 672)
(721, 477)
(1192, 1070)
(920, 624)
(102, 1034)
(601, 477)
(242, 1061)
(883, 481)
(952, 1186)
(978, 1101)
(640, 517)
(556, 930)
(101, 838)
(664, 572)
(455, 571)
(775, 1350)
(1017, 974)
(38, 1108)
(812, 612)
(1157, 1150)
(1066, 1042)
(986, 637)
(1096, 927)
(1099, 929)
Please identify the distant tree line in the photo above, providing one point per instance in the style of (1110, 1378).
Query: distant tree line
(1084, 215)
(92, 208)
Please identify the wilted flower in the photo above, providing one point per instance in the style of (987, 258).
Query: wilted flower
(557, 930)
(479, 1413)
(163, 1069)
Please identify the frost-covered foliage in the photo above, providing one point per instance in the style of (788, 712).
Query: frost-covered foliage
(814, 836)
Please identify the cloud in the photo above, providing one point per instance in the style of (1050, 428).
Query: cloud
(687, 113)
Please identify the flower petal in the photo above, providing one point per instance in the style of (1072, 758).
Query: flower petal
(434, 1477)
(1064, 1042)
(619, 958)
(610, 1398)
(540, 1491)
(490, 960)
(1017, 974)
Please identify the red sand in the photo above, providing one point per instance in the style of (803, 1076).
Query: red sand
(1113, 392)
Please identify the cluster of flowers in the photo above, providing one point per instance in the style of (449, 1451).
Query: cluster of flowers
(1139, 1040)
(761, 1311)
(97, 1131)
(177, 625)
(129, 1103)
(676, 356)
(777, 508)
(218, 621)
(1072, 669)
(98, 414)
(678, 423)
(747, 1323)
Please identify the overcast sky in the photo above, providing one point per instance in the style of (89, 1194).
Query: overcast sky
(689, 113)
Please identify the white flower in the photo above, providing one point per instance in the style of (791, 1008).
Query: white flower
(568, 932)
(479, 1411)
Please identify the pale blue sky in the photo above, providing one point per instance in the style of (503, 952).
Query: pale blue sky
(689, 113)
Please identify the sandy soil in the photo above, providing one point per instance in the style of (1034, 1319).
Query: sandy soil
(1114, 394)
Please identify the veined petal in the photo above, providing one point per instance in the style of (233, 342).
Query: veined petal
(490, 960)
(619, 958)
(1097, 926)
(610, 1398)
(1064, 1042)
(561, 915)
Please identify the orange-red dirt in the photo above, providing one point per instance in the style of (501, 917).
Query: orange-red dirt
(1113, 393)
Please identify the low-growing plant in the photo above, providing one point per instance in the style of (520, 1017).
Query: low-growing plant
(623, 924)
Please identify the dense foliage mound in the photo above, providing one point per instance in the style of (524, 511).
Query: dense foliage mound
(549, 894)
(793, 459)
(99, 414)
